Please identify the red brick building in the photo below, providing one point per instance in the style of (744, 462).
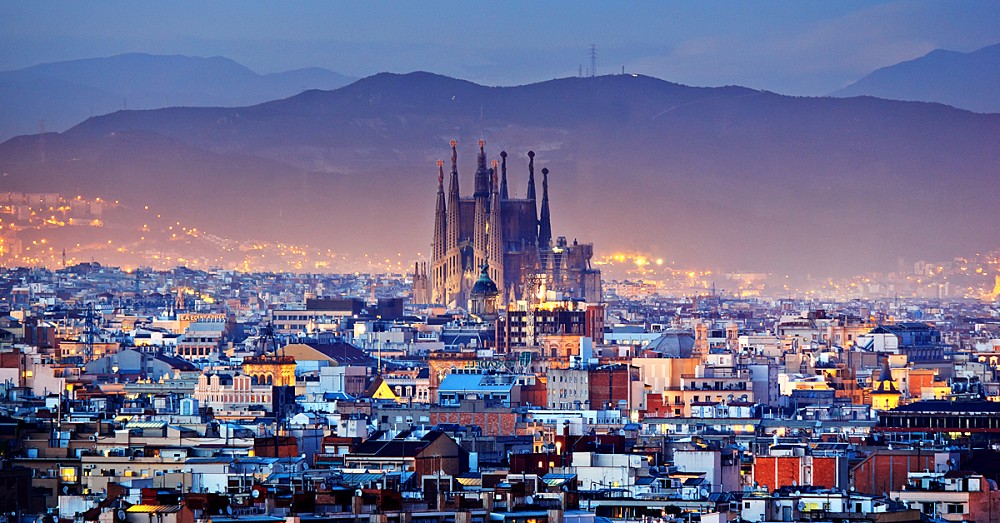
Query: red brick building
(786, 471)
(610, 385)
(886, 470)
(535, 394)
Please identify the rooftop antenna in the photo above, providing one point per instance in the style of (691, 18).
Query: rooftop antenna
(593, 60)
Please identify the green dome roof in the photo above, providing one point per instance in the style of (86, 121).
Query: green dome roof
(485, 286)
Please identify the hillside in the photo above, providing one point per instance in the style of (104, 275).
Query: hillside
(720, 177)
(965, 80)
(65, 93)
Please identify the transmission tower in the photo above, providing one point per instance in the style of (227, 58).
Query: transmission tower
(593, 60)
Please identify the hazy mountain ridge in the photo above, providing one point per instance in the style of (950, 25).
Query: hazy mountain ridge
(65, 93)
(968, 81)
(723, 177)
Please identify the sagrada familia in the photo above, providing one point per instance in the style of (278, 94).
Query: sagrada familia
(507, 238)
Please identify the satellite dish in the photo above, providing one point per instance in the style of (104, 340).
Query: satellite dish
(121, 514)
(704, 492)
(65, 489)
(255, 493)
(801, 505)
(229, 510)
(357, 492)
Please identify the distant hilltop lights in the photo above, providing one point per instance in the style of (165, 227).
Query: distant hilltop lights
(57, 231)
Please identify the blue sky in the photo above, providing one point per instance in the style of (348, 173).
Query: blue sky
(800, 48)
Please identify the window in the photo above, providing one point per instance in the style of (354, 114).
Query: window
(68, 474)
(956, 508)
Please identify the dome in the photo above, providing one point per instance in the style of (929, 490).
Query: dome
(485, 286)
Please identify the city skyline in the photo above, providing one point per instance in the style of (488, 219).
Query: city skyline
(516, 262)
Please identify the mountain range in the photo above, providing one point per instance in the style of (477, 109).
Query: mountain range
(727, 177)
(964, 80)
(62, 94)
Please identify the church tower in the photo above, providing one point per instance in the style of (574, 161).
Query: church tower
(439, 247)
(503, 176)
(545, 221)
(494, 234)
(885, 395)
(421, 292)
(531, 191)
(453, 215)
(482, 209)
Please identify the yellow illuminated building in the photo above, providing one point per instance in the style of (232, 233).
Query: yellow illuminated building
(885, 394)
(278, 371)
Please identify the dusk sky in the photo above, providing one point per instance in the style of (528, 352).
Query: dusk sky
(800, 48)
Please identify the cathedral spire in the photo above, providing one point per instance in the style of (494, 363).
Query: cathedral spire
(495, 181)
(483, 177)
(440, 218)
(453, 183)
(494, 236)
(531, 199)
(545, 222)
(453, 214)
(531, 175)
(503, 176)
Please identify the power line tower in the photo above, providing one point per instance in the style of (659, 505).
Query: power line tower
(593, 60)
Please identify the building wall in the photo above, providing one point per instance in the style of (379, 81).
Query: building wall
(786, 471)
(707, 461)
(664, 373)
(568, 388)
(886, 470)
(492, 423)
(609, 385)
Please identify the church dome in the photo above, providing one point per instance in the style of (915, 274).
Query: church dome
(485, 286)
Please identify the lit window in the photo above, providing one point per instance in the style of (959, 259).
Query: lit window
(68, 474)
